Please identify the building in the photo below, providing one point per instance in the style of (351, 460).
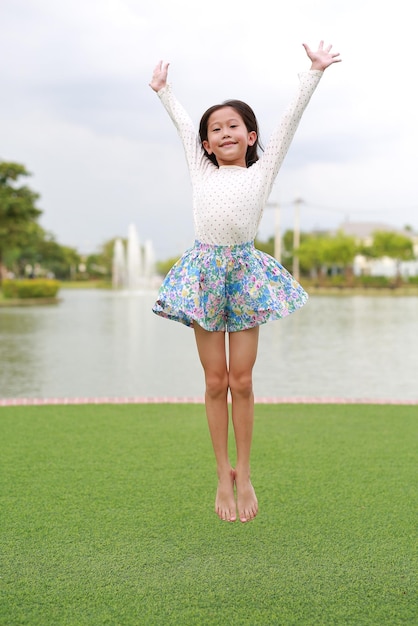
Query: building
(363, 232)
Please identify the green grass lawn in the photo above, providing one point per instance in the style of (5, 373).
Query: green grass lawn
(107, 518)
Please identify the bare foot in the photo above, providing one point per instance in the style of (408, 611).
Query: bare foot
(247, 503)
(225, 506)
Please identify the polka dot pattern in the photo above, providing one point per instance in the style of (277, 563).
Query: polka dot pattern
(228, 201)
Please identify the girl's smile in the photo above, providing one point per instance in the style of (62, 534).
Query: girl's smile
(228, 137)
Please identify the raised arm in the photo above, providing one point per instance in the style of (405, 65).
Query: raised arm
(279, 143)
(194, 153)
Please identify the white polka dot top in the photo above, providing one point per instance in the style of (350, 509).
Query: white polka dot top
(228, 201)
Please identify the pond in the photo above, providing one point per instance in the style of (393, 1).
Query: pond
(106, 344)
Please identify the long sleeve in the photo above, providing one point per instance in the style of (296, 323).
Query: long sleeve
(194, 152)
(280, 140)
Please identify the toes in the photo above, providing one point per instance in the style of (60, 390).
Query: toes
(225, 515)
(248, 515)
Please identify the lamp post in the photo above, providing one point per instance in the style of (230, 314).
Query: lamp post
(277, 231)
(296, 238)
(277, 234)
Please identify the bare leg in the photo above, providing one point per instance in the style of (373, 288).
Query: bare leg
(242, 355)
(212, 353)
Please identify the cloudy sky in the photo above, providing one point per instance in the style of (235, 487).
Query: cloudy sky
(77, 111)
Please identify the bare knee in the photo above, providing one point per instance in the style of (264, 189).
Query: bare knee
(241, 384)
(216, 384)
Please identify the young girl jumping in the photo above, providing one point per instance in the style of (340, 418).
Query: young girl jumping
(223, 284)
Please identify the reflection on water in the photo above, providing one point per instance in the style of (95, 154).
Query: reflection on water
(107, 344)
(352, 347)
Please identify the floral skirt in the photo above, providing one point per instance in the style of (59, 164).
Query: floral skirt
(228, 288)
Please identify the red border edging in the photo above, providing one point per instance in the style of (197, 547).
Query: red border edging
(193, 400)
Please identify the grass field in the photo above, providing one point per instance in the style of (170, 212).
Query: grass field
(107, 518)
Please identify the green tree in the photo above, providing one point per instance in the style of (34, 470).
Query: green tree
(27, 252)
(287, 250)
(163, 267)
(61, 261)
(99, 264)
(39, 249)
(320, 254)
(312, 254)
(17, 207)
(392, 244)
(265, 246)
(339, 252)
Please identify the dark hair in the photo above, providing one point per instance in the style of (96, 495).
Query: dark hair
(249, 119)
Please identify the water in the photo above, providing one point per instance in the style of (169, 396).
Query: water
(134, 268)
(109, 344)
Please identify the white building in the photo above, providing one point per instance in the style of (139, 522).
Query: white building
(363, 233)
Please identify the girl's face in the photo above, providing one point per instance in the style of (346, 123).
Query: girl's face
(228, 137)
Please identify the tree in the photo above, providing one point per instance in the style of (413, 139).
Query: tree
(265, 246)
(39, 250)
(61, 261)
(339, 252)
(392, 244)
(17, 207)
(311, 253)
(163, 267)
(99, 264)
(26, 251)
(322, 253)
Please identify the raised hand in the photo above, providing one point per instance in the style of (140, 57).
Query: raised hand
(159, 76)
(323, 57)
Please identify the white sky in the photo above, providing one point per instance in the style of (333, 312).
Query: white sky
(76, 108)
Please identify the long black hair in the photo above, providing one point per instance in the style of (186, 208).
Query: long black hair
(249, 119)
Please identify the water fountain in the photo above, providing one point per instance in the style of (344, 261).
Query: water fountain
(134, 264)
(149, 260)
(118, 265)
(133, 268)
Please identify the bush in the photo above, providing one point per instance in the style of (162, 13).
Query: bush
(375, 281)
(338, 280)
(30, 288)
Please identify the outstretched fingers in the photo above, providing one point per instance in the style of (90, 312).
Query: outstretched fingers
(322, 57)
(159, 76)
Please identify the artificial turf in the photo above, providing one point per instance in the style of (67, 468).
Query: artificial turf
(107, 518)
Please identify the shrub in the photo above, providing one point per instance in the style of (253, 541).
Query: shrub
(375, 281)
(338, 280)
(30, 288)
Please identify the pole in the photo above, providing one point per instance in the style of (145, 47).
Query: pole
(277, 234)
(296, 238)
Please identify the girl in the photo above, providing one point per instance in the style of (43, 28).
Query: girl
(223, 284)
